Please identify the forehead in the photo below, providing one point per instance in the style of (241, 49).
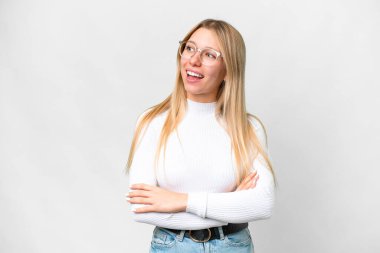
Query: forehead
(205, 38)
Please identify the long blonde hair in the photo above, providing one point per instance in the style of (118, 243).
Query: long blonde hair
(230, 105)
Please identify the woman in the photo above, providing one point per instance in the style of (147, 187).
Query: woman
(196, 157)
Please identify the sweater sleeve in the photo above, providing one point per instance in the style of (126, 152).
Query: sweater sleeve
(239, 206)
(142, 171)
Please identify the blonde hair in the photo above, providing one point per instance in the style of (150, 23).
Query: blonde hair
(230, 105)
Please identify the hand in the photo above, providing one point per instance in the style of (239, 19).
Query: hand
(156, 199)
(249, 181)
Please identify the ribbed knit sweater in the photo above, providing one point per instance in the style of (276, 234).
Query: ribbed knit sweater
(199, 161)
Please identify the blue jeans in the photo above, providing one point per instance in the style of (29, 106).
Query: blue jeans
(167, 241)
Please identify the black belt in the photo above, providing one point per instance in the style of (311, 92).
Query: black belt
(207, 234)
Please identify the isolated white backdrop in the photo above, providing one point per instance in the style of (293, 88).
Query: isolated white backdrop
(74, 76)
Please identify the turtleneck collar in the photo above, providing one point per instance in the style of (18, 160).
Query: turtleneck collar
(200, 108)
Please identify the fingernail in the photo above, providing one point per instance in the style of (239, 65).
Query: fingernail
(128, 198)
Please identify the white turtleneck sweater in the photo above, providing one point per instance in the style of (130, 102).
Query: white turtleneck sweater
(199, 161)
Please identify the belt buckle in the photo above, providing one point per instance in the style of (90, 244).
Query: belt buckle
(196, 240)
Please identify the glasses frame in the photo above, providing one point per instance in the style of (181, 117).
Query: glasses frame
(218, 54)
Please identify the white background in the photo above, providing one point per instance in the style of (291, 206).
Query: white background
(74, 76)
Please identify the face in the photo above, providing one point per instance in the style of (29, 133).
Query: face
(203, 88)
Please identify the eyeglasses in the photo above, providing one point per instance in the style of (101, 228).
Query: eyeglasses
(188, 49)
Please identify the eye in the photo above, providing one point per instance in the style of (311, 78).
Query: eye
(189, 48)
(211, 54)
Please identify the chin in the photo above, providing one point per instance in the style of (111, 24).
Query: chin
(193, 90)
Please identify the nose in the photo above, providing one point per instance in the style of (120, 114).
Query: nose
(195, 60)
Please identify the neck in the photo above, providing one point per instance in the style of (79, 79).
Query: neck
(200, 108)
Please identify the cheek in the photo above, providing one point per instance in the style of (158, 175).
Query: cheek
(182, 64)
(216, 74)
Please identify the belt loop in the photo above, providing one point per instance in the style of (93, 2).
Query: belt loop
(181, 235)
(221, 234)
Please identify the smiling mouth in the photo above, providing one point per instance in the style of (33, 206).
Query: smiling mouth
(194, 74)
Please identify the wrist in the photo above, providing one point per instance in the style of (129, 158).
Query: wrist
(184, 198)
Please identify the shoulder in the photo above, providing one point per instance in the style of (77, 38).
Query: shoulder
(259, 129)
(150, 127)
(256, 123)
(156, 120)
(147, 129)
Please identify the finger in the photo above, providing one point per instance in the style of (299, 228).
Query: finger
(250, 176)
(138, 193)
(145, 209)
(146, 201)
(243, 186)
(254, 172)
(254, 182)
(127, 194)
(246, 183)
(142, 186)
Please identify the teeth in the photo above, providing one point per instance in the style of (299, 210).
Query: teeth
(190, 73)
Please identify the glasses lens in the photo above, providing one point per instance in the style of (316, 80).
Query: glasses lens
(209, 56)
(187, 49)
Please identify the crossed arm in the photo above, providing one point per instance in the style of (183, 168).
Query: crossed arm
(157, 206)
(252, 200)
